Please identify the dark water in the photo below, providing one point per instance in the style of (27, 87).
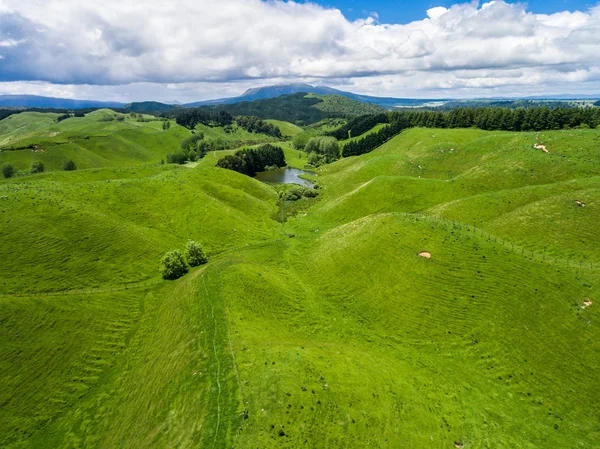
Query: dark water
(285, 176)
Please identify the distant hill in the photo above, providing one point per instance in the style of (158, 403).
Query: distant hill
(34, 101)
(148, 107)
(266, 92)
(300, 108)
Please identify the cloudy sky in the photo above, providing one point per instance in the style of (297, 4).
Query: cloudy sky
(188, 50)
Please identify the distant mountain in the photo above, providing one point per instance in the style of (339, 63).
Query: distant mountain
(34, 101)
(148, 107)
(261, 93)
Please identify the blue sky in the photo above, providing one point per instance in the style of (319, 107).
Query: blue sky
(189, 50)
(395, 11)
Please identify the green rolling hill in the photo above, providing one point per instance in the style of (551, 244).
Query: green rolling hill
(324, 330)
(100, 139)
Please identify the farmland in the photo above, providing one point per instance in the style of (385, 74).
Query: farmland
(324, 329)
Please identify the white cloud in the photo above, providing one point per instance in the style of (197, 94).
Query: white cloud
(159, 45)
(437, 12)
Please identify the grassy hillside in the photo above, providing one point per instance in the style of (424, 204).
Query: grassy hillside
(99, 140)
(328, 330)
(287, 129)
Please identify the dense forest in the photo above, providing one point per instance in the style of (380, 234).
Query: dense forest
(294, 108)
(249, 161)
(300, 108)
(490, 119)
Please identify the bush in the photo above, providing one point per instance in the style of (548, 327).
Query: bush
(191, 142)
(173, 265)
(37, 167)
(8, 170)
(69, 165)
(194, 254)
(298, 192)
(179, 157)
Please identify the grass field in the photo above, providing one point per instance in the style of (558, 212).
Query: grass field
(98, 140)
(325, 331)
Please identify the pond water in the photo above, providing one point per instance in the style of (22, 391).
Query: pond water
(285, 176)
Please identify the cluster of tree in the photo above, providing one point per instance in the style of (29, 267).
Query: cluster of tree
(301, 139)
(255, 125)
(62, 117)
(166, 125)
(597, 104)
(251, 160)
(358, 126)
(189, 118)
(372, 141)
(322, 150)
(174, 264)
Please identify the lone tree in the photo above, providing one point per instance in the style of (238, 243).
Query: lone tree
(173, 265)
(37, 167)
(69, 165)
(194, 254)
(8, 170)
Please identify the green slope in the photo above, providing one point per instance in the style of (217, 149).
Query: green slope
(98, 140)
(326, 331)
(287, 129)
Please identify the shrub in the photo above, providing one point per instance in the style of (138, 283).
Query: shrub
(37, 167)
(8, 170)
(298, 192)
(194, 254)
(191, 142)
(69, 165)
(173, 265)
(179, 157)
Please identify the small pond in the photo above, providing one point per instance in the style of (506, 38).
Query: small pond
(285, 176)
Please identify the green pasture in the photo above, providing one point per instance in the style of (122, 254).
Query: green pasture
(327, 329)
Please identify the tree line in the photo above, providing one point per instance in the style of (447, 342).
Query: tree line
(489, 119)
(358, 126)
(372, 141)
(249, 161)
(502, 119)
